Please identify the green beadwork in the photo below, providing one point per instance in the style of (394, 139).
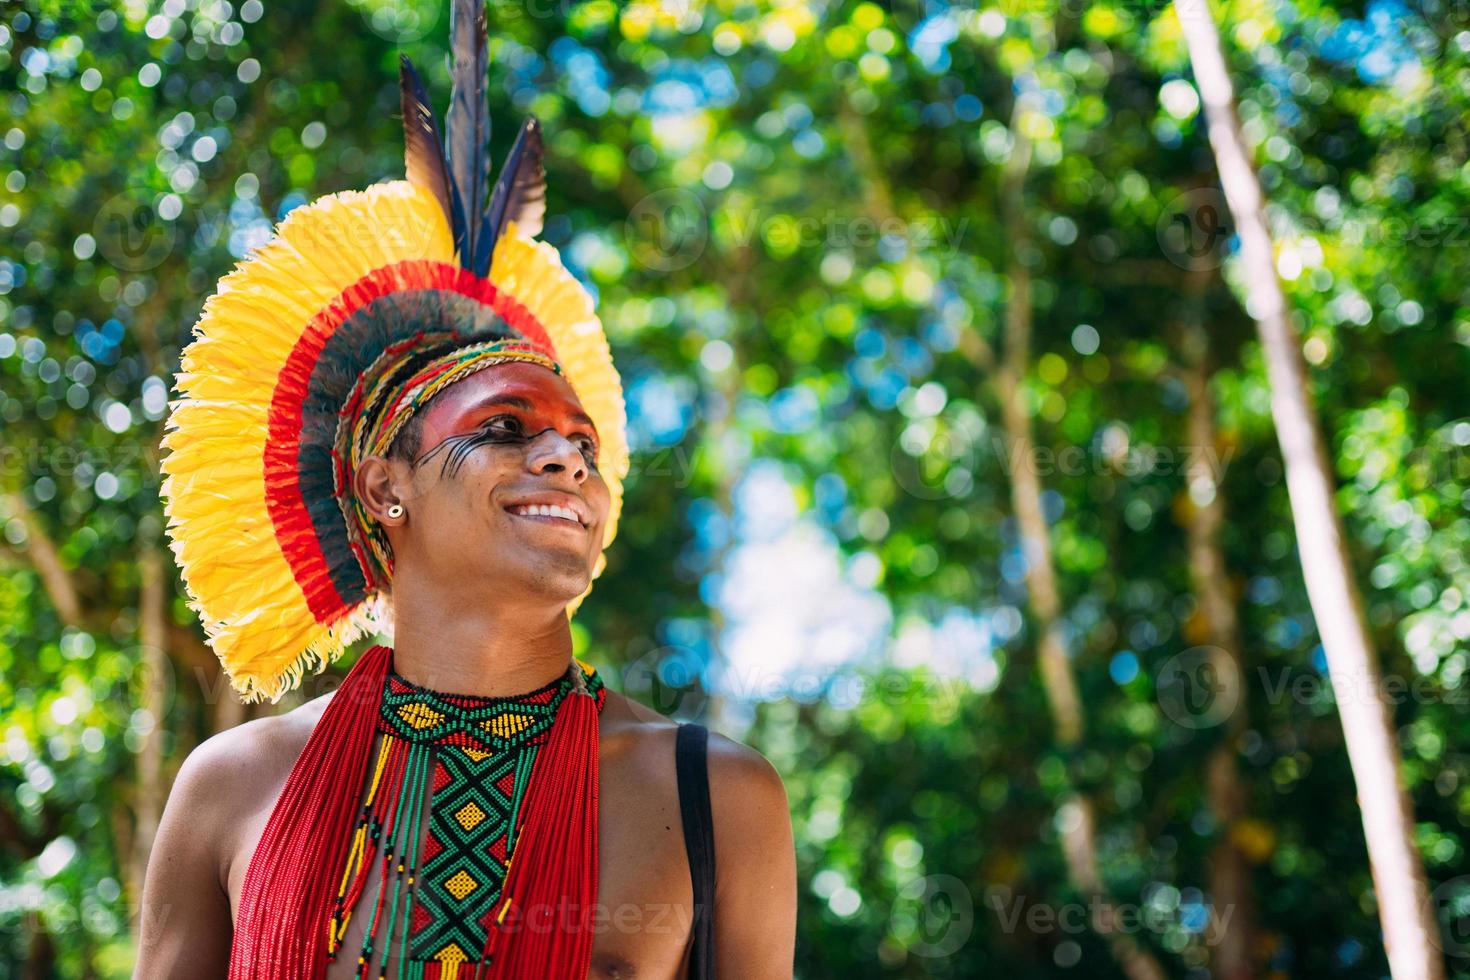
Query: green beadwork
(477, 754)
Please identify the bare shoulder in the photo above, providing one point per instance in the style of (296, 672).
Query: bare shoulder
(737, 770)
(267, 735)
(257, 749)
(744, 786)
(751, 817)
(186, 922)
(635, 738)
(234, 771)
(740, 776)
(755, 856)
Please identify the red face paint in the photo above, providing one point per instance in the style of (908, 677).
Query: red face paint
(538, 397)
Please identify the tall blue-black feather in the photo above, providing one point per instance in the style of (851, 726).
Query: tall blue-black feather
(468, 121)
(520, 193)
(423, 150)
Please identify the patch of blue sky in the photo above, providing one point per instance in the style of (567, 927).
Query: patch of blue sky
(958, 644)
(912, 358)
(683, 85)
(794, 409)
(710, 524)
(1376, 45)
(660, 410)
(830, 494)
(795, 622)
(930, 40)
(587, 78)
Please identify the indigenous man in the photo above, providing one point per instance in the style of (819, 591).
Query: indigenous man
(401, 413)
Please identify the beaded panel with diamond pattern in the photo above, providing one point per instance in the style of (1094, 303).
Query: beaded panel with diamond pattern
(476, 754)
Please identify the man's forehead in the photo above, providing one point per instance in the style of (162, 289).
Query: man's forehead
(520, 384)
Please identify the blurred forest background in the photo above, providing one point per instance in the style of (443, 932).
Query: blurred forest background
(956, 487)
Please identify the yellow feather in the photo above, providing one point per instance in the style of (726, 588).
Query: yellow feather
(253, 610)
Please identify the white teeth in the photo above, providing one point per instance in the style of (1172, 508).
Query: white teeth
(547, 510)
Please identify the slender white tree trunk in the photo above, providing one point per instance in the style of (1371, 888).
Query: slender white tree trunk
(1398, 875)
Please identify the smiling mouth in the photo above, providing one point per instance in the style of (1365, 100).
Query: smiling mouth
(552, 517)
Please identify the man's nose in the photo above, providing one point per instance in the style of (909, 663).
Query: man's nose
(551, 449)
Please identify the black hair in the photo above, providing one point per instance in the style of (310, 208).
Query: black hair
(406, 444)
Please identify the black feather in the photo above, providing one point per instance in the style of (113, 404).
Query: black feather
(520, 193)
(468, 121)
(423, 150)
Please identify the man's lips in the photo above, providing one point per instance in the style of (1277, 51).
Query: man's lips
(552, 516)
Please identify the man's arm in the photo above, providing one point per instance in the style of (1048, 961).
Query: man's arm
(186, 926)
(755, 865)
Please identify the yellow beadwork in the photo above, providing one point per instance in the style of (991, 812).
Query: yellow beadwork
(507, 726)
(461, 884)
(469, 815)
(420, 716)
(451, 957)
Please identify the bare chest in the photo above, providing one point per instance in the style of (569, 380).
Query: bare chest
(644, 907)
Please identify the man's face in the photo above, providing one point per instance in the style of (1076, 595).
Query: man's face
(505, 437)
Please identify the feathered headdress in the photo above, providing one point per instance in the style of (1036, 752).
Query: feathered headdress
(301, 357)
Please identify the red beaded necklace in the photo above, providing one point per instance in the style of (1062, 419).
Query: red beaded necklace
(308, 868)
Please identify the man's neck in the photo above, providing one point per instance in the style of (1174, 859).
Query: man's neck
(446, 644)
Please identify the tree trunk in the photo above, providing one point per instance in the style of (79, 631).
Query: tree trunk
(1076, 816)
(152, 635)
(1233, 907)
(55, 578)
(1372, 744)
(40, 963)
(229, 710)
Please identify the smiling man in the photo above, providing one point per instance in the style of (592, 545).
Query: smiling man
(419, 430)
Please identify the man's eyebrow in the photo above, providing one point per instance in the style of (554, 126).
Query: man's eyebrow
(516, 401)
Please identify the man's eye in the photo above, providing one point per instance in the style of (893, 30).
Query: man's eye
(499, 420)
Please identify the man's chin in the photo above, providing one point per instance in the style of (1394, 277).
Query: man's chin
(547, 581)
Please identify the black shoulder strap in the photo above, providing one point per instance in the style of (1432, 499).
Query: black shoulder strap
(691, 762)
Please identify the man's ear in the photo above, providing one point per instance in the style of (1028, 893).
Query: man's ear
(379, 484)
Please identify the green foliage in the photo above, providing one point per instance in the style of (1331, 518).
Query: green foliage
(790, 215)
